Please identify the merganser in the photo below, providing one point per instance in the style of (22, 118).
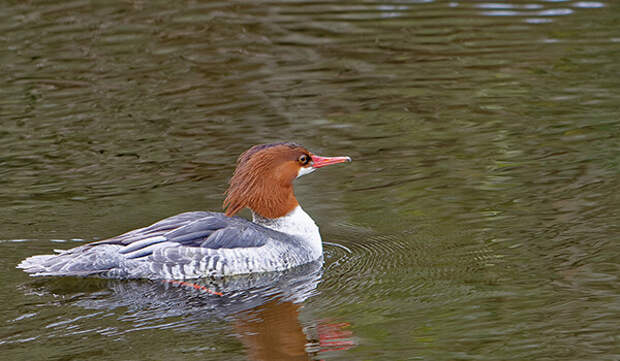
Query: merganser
(209, 244)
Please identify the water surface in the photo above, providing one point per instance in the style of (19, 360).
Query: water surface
(479, 219)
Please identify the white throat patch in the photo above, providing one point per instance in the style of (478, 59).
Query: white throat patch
(305, 170)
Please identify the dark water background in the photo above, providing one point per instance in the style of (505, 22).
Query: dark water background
(478, 221)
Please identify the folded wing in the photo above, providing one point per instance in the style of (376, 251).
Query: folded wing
(187, 245)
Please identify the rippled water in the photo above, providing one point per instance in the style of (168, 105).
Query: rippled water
(479, 219)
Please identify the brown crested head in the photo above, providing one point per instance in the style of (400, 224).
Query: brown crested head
(263, 179)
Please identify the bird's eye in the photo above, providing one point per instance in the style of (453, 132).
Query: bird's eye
(304, 159)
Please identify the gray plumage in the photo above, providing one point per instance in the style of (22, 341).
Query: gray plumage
(188, 245)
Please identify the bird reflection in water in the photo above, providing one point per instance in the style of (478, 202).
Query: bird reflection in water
(263, 309)
(273, 331)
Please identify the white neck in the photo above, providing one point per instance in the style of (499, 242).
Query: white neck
(296, 223)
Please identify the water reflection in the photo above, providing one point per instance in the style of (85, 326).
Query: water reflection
(262, 310)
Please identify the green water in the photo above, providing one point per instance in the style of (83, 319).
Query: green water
(478, 221)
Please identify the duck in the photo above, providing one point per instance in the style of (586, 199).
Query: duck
(199, 244)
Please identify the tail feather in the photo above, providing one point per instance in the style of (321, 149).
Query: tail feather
(81, 261)
(34, 264)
